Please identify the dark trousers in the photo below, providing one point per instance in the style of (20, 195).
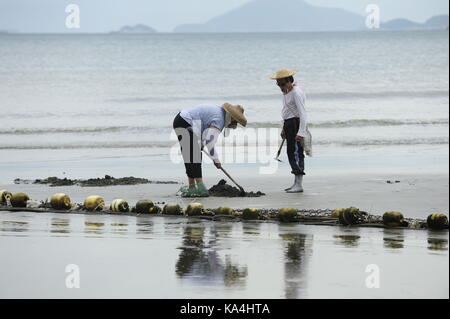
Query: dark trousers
(294, 149)
(190, 147)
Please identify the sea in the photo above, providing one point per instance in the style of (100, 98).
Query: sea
(75, 98)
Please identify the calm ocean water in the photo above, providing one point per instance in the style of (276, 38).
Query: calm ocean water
(64, 94)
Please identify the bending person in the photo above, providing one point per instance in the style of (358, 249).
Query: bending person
(198, 127)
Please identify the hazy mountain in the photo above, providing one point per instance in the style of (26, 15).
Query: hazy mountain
(436, 22)
(138, 28)
(8, 31)
(279, 16)
(401, 24)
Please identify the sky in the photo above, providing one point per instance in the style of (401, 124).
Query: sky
(49, 16)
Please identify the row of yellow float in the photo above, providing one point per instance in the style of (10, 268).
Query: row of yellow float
(345, 216)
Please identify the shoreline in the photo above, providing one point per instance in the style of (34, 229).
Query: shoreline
(303, 217)
(416, 196)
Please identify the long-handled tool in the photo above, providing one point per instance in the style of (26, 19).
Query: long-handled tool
(226, 173)
(279, 151)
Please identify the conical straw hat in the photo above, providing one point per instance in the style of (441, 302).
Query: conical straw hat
(236, 112)
(283, 73)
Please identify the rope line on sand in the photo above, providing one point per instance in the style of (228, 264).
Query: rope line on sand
(350, 217)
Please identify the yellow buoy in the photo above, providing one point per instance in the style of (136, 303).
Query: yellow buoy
(19, 200)
(144, 206)
(222, 210)
(337, 212)
(437, 221)
(350, 216)
(394, 219)
(172, 209)
(287, 214)
(251, 213)
(154, 210)
(94, 203)
(60, 201)
(194, 209)
(5, 196)
(120, 205)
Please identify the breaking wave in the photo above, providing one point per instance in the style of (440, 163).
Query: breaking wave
(274, 124)
(169, 144)
(275, 96)
(357, 123)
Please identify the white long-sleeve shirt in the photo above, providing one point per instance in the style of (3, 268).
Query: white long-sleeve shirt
(294, 106)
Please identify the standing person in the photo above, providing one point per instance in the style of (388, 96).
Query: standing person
(198, 127)
(294, 128)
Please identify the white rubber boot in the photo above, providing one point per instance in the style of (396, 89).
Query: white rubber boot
(298, 188)
(295, 182)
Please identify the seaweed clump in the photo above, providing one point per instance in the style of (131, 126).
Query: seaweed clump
(222, 189)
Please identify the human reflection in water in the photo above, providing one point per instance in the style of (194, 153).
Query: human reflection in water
(393, 238)
(297, 251)
(199, 260)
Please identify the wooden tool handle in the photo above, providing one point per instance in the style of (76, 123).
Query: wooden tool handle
(226, 173)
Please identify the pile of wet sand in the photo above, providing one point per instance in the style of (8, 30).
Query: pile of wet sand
(222, 189)
(92, 182)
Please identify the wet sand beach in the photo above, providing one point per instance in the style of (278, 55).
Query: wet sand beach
(157, 257)
(176, 257)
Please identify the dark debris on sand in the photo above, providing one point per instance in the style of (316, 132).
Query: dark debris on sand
(92, 182)
(222, 189)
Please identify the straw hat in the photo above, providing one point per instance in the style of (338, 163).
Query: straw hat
(236, 112)
(283, 73)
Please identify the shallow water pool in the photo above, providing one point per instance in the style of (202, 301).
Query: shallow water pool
(175, 257)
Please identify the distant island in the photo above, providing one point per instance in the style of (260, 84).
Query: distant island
(298, 16)
(279, 16)
(138, 28)
(434, 23)
(6, 31)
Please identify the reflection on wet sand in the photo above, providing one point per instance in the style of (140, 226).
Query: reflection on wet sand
(437, 241)
(144, 227)
(348, 240)
(119, 228)
(14, 226)
(393, 238)
(200, 261)
(298, 248)
(60, 226)
(251, 230)
(93, 228)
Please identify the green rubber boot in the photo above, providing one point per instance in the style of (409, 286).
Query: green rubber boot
(199, 191)
(190, 192)
(202, 191)
(186, 190)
